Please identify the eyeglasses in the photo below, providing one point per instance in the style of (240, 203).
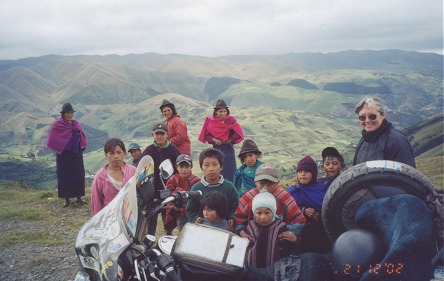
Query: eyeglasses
(371, 117)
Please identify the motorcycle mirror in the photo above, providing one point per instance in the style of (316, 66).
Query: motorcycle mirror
(166, 169)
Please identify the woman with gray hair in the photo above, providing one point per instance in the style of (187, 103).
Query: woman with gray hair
(380, 140)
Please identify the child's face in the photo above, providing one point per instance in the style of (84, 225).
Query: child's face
(304, 177)
(332, 166)
(222, 113)
(211, 169)
(135, 153)
(210, 215)
(184, 169)
(250, 159)
(263, 216)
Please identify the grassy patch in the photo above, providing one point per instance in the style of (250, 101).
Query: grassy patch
(34, 237)
(22, 214)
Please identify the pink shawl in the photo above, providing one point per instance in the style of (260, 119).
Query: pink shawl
(220, 128)
(60, 133)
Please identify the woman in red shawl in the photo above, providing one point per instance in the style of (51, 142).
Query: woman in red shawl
(67, 139)
(177, 128)
(222, 131)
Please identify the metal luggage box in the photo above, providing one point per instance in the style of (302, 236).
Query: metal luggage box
(210, 248)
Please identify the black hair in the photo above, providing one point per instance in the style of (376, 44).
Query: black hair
(111, 144)
(211, 152)
(215, 200)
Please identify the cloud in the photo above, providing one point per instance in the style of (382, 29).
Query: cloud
(215, 28)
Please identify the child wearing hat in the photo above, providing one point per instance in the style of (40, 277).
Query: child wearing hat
(309, 195)
(244, 176)
(268, 232)
(222, 131)
(160, 150)
(333, 164)
(135, 152)
(267, 178)
(182, 181)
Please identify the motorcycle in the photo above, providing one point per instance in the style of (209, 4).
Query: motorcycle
(114, 244)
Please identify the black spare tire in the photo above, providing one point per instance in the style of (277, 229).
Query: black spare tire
(364, 182)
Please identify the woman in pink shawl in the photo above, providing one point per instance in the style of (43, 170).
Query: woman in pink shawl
(222, 131)
(67, 139)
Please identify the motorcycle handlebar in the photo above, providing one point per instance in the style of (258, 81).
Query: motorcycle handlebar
(193, 194)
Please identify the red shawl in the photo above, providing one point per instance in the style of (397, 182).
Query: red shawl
(220, 128)
(60, 133)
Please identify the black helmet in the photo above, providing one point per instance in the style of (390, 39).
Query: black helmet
(354, 252)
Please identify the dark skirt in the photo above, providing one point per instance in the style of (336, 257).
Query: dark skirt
(229, 161)
(70, 174)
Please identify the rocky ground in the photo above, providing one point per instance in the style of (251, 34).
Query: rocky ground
(28, 260)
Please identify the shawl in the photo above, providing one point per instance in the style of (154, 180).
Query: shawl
(61, 132)
(245, 181)
(309, 196)
(220, 128)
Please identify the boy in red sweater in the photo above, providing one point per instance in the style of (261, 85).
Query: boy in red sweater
(182, 181)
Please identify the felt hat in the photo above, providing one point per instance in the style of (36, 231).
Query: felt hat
(265, 199)
(166, 103)
(308, 164)
(184, 158)
(249, 146)
(132, 146)
(160, 127)
(267, 172)
(67, 107)
(332, 152)
(220, 104)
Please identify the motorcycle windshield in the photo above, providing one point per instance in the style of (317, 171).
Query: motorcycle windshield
(107, 234)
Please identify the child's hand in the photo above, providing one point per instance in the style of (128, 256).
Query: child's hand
(231, 225)
(199, 220)
(288, 236)
(242, 233)
(311, 213)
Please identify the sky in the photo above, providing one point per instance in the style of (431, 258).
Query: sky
(32, 28)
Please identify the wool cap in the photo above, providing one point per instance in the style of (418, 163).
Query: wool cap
(249, 146)
(332, 152)
(267, 172)
(132, 146)
(220, 104)
(67, 107)
(166, 103)
(265, 199)
(160, 127)
(184, 158)
(308, 164)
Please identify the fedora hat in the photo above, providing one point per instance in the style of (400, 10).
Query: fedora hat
(67, 107)
(249, 146)
(220, 104)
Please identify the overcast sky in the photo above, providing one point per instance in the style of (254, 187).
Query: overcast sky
(30, 28)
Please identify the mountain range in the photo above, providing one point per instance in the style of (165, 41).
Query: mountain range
(290, 104)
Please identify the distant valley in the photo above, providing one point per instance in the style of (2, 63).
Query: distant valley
(291, 104)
